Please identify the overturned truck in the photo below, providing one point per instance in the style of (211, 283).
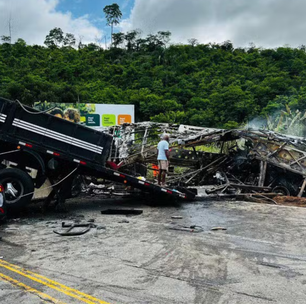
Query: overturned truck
(233, 161)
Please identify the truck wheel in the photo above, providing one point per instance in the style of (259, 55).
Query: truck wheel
(285, 187)
(76, 187)
(16, 184)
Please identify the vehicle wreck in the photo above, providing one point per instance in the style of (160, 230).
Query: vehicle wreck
(233, 161)
(222, 162)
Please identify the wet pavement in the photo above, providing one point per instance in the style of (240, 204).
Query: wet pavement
(259, 258)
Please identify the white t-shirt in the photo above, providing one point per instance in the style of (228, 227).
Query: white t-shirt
(163, 145)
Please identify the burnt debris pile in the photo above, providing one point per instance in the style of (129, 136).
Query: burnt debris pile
(224, 162)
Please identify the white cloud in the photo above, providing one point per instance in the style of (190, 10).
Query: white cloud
(33, 19)
(267, 23)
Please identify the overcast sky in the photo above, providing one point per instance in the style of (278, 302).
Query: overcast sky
(267, 23)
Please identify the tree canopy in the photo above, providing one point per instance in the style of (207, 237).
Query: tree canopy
(213, 85)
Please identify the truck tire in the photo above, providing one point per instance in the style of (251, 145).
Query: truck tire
(77, 186)
(16, 184)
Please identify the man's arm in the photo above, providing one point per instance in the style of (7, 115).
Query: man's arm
(167, 151)
(167, 154)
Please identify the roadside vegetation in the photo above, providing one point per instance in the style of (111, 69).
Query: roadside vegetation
(212, 85)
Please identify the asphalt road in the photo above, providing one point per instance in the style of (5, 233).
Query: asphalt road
(260, 258)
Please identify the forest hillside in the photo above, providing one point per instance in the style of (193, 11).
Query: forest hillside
(213, 85)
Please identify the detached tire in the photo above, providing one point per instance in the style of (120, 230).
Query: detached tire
(16, 184)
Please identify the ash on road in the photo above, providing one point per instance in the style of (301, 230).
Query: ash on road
(260, 258)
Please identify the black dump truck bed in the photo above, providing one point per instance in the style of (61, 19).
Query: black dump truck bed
(50, 135)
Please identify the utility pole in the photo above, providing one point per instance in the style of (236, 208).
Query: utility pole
(10, 27)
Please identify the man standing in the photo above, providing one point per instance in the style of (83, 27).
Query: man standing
(163, 159)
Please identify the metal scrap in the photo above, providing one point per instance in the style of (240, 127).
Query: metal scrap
(234, 161)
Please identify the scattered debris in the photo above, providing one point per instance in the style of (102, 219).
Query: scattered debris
(122, 211)
(52, 226)
(11, 229)
(192, 228)
(273, 265)
(290, 201)
(176, 217)
(248, 162)
(72, 226)
(218, 228)
(123, 222)
(91, 221)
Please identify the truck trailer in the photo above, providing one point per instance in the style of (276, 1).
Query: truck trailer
(58, 150)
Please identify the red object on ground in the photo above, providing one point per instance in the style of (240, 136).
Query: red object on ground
(155, 170)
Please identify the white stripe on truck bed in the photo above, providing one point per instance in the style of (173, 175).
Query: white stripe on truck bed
(57, 136)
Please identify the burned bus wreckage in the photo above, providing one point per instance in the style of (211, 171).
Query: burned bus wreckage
(233, 161)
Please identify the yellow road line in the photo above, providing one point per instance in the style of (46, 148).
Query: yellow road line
(36, 292)
(52, 284)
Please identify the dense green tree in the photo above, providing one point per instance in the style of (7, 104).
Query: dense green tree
(130, 38)
(164, 37)
(118, 39)
(69, 40)
(54, 38)
(213, 85)
(193, 41)
(57, 38)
